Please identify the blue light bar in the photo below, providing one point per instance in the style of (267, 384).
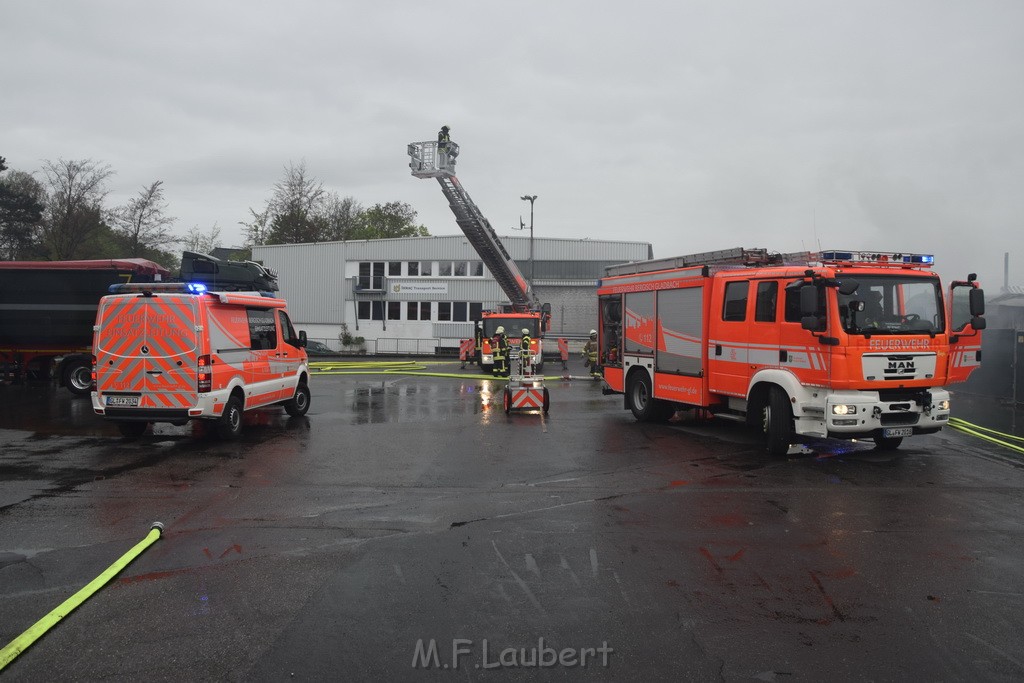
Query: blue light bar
(157, 287)
(197, 288)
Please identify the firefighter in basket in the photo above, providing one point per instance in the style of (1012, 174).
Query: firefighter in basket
(500, 352)
(590, 354)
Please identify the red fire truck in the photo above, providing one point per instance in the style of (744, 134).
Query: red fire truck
(839, 344)
(429, 159)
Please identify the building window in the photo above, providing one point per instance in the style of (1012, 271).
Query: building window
(371, 275)
(394, 310)
(425, 268)
(461, 269)
(370, 310)
(395, 268)
(476, 310)
(444, 311)
(444, 268)
(414, 268)
(476, 268)
(459, 311)
(417, 310)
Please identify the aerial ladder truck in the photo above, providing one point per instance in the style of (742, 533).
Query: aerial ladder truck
(431, 159)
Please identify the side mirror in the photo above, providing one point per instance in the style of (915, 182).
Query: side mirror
(812, 323)
(977, 302)
(302, 338)
(848, 287)
(808, 301)
(978, 323)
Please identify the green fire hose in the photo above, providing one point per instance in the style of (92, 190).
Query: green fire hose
(36, 631)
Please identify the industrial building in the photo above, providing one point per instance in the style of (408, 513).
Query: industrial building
(421, 294)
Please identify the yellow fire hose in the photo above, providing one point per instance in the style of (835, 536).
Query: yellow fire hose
(412, 368)
(990, 435)
(22, 642)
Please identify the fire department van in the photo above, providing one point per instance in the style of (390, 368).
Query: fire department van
(836, 344)
(174, 352)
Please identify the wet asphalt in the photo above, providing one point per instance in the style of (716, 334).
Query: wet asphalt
(407, 529)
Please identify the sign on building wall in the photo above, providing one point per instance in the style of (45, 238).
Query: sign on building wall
(418, 288)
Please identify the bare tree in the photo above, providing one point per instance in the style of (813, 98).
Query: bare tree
(298, 200)
(256, 229)
(74, 208)
(202, 243)
(143, 221)
(340, 219)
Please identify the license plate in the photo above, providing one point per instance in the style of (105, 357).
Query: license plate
(897, 431)
(130, 401)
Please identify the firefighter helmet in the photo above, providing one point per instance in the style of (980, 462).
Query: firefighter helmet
(500, 330)
(526, 331)
(593, 333)
(445, 128)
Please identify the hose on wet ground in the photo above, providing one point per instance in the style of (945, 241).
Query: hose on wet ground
(412, 368)
(36, 631)
(990, 435)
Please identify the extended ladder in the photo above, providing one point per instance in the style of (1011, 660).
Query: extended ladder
(427, 161)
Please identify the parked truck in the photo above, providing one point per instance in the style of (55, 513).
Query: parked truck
(837, 344)
(47, 310)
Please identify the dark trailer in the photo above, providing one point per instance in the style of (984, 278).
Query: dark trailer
(47, 311)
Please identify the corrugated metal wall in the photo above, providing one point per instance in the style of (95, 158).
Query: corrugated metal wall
(312, 276)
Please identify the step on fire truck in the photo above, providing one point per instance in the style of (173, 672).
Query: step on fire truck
(837, 344)
(431, 159)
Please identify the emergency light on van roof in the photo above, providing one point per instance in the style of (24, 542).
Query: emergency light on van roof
(879, 258)
(162, 287)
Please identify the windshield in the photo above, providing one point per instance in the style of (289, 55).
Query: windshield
(893, 305)
(513, 326)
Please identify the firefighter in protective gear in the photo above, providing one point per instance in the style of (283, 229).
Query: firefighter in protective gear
(590, 353)
(478, 339)
(526, 353)
(500, 353)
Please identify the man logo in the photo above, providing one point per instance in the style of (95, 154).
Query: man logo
(900, 367)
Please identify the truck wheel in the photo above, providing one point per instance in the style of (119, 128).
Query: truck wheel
(777, 423)
(78, 377)
(507, 400)
(229, 426)
(890, 443)
(547, 400)
(132, 430)
(299, 404)
(644, 406)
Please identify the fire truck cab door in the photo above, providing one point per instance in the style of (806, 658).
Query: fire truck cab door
(965, 341)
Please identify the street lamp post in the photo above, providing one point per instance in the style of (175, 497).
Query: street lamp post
(531, 199)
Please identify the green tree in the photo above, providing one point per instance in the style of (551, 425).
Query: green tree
(22, 199)
(394, 219)
(340, 218)
(143, 221)
(74, 208)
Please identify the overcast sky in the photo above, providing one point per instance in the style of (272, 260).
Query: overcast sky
(690, 125)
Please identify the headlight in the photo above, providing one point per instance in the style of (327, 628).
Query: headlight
(843, 409)
(943, 405)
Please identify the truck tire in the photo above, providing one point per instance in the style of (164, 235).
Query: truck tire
(506, 399)
(642, 403)
(77, 377)
(132, 429)
(229, 425)
(298, 405)
(888, 443)
(777, 423)
(547, 400)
